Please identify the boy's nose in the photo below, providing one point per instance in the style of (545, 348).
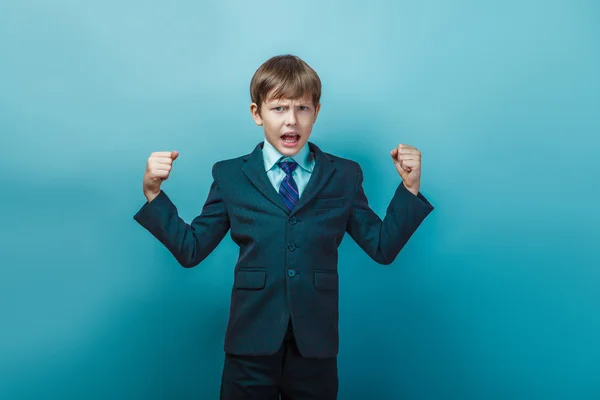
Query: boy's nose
(291, 118)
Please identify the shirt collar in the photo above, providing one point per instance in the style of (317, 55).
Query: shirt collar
(271, 156)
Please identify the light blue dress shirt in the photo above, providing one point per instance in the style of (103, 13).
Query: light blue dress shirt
(305, 159)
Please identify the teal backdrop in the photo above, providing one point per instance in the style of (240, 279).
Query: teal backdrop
(496, 296)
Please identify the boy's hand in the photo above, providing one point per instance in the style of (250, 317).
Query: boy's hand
(408, 163)
(158, 168)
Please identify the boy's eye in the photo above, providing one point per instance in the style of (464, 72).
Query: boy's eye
(280, 108)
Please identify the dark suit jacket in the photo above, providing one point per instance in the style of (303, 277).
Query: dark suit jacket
(288, 261)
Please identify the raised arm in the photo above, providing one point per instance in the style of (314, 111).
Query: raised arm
(383, 240)
(190, 243)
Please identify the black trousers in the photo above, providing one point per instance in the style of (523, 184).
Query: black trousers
(285, 373)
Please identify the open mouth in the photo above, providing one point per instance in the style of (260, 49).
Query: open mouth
(290, 139)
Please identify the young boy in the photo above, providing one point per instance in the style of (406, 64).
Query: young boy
(288, 205)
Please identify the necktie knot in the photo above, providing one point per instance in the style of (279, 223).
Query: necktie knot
(288, 166)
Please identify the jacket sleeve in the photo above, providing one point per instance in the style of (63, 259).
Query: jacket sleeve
(383, 240)
(189, 243)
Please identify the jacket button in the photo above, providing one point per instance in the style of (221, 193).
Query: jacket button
(293, 221)
(291, 246)
(291, 273)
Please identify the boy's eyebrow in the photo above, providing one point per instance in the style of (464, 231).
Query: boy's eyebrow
(286, 102)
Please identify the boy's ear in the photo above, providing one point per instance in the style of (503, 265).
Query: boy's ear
(255, 114)
(317, 109)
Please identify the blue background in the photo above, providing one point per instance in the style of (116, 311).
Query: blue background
(496, 296)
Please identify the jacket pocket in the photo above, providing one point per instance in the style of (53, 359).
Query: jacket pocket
(326, 280)
(254, 278)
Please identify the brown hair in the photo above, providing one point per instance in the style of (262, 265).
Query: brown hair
(284, 76)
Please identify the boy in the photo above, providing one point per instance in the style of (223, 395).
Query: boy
(288, 205)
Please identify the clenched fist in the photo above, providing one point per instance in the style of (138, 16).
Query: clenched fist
(158, 168)
(408, 164)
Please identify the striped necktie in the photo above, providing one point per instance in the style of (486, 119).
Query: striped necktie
(288, 189)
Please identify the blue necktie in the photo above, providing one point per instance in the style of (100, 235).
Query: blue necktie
(288, 189)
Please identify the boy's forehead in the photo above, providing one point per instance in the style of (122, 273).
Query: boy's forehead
(305, 99)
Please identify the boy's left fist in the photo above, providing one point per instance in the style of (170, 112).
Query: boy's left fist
(408, 163)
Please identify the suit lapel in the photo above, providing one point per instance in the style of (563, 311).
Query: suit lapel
(319, 177)
(254, 168)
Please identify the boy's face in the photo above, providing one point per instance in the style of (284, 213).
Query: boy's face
(287, 123)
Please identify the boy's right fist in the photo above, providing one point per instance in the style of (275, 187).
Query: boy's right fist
(158, 168)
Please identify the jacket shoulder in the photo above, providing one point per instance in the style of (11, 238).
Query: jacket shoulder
(344, 163)
(229, 163)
